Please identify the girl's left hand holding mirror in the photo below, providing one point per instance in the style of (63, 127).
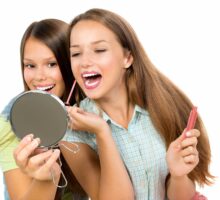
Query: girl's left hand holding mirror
(36, 162)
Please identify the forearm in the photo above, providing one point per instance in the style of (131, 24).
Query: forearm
(180, 188)
(114, 180)
(41, 190)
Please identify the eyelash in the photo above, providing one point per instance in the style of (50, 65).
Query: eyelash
(100, 50)
(28, 65)
(52, 64)
(96, 51)
(75, 54)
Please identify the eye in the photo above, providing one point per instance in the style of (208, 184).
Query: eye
(100, 50)
(28, 65)
(75, 54)
(52, 64)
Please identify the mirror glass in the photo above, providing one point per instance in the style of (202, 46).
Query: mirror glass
(40, 113)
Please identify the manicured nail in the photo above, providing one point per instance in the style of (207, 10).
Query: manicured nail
(188, 134)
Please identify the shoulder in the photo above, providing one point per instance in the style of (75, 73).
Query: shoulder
(5, 128)
(8, 142)
(7, 109)
(7, 136)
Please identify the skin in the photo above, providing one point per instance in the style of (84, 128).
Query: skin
(182, 157)
(29, 181)
(41, 69)
(95, 50)
(102, 181)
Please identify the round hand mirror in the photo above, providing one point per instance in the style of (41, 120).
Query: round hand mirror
(40, 113)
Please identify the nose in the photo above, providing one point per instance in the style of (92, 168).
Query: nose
(86, 60)
(40, 74)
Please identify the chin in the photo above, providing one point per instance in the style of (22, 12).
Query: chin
(92, 96)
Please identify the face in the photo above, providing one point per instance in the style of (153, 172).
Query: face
(98, 61)
(41, 71)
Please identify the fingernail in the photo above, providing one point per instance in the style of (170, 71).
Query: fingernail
(56, 151)
(188, 133)
(29, 138)
(45, 149)
(36, 142)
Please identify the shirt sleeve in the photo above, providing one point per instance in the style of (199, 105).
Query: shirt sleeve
(8, 142)
(81, 137)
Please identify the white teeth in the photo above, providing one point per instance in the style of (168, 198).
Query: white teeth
(91, 84)
(89, 75)
(44, 88)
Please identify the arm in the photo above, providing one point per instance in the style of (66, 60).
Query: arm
(182, 158)
(104, 177)
(20, 186)
(32, 180)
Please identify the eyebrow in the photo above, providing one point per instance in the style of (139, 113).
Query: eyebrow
(49, 58)
(95, 42)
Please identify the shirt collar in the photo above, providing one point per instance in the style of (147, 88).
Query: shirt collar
(90, 106)
(137, 111)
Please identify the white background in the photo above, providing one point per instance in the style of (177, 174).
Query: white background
(182, 38)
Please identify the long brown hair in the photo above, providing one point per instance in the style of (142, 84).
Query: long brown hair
(54, 34)
(167, 105)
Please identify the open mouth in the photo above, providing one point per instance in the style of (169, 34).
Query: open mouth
(91, 80)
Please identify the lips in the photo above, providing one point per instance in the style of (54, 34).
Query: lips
(45, 88)
(91, 80)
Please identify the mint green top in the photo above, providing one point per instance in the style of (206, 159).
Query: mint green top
(141, 147)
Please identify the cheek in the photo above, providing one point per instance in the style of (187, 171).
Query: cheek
(54, 74)
(75, 69)
(58, 76)
(109, 65)
(28, 77)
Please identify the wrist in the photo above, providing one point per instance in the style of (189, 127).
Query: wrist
(103, 131)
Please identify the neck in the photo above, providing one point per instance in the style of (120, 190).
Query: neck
(120, 110)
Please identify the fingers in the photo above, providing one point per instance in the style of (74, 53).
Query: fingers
(75, 115)
(191, 159)
(26, 140)
(23, 152)
(188, 145)
(189, 151)
(39, 160)
(193, 133)
(36, 162)
(50, 169)
(71, 121)
(52, 159)
(191, 138)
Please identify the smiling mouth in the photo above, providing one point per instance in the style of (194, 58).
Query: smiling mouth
(45, 88)
(91, 80)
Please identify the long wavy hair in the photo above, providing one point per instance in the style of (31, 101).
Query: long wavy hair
(54, 34)
(147, 87)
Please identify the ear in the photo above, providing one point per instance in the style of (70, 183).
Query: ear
(128, 59)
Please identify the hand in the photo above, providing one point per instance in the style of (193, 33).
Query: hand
(85, 121)
(182, 155)
(36, 162)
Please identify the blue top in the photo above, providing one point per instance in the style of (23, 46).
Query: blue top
(141, 147)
